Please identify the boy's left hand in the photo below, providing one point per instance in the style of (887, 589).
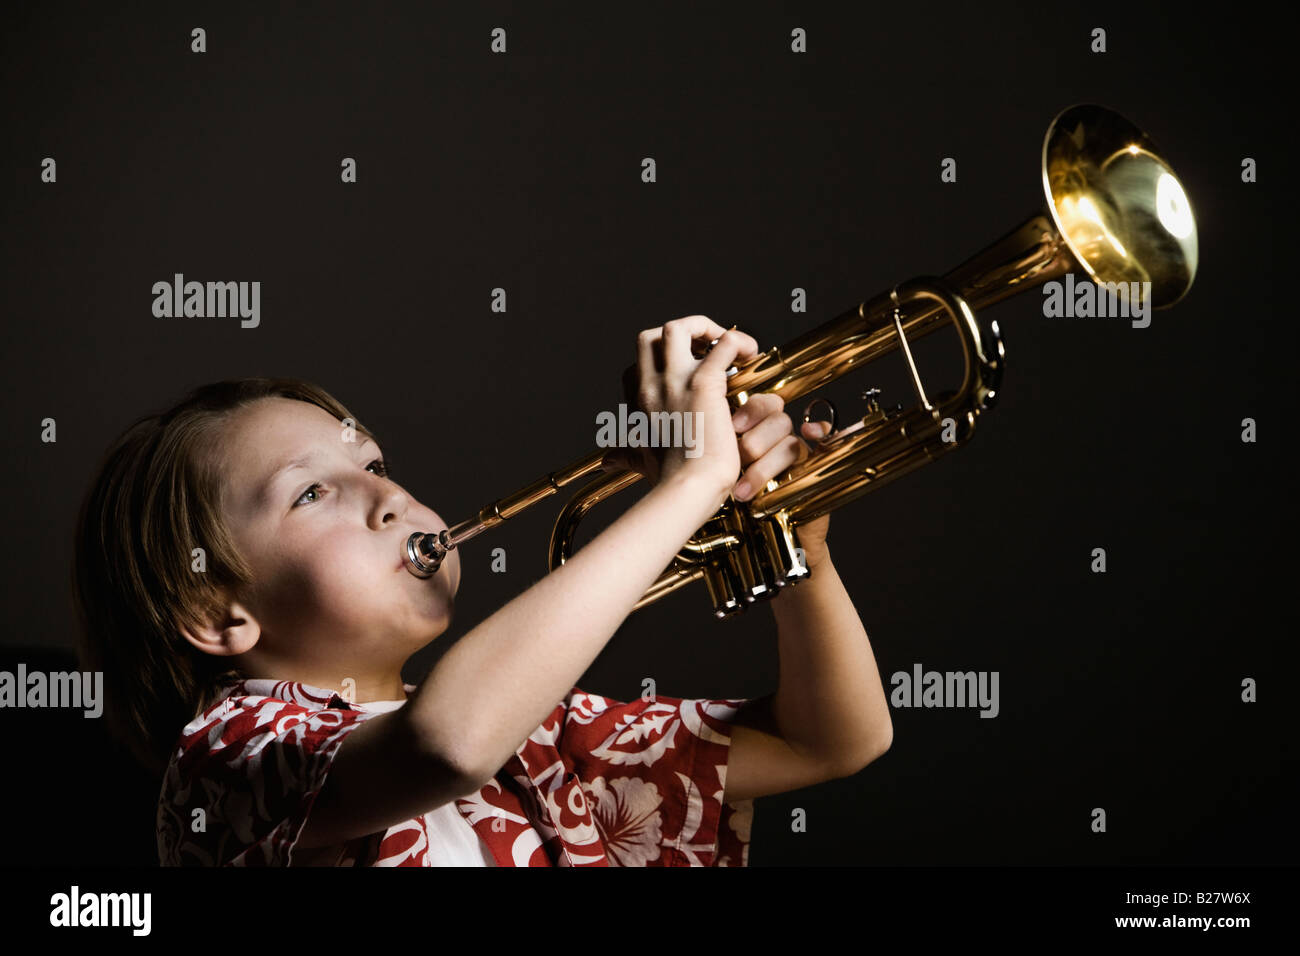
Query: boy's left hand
(767, 448)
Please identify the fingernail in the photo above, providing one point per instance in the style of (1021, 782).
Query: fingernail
(742, 490)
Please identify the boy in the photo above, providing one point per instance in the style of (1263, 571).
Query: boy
(242, 555)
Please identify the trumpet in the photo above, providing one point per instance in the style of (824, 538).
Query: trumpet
(1114, 209)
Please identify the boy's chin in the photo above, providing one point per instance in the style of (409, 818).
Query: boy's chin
(433, 631)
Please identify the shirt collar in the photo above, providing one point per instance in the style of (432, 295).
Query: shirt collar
(296, 692)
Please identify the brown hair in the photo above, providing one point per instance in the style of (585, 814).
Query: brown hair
(157, 497)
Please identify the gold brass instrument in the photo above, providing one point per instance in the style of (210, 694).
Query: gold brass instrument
(1115, 209)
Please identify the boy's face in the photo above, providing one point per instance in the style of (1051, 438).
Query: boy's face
(325, 540)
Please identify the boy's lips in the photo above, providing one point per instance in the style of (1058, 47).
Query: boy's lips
(402, 565)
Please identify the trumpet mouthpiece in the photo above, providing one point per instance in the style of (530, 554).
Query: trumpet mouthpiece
(424, 552)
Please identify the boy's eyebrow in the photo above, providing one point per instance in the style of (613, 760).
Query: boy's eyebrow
(301, 461)
(264, 487)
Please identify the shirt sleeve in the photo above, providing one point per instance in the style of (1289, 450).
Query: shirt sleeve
(654, 772)
(253, 766)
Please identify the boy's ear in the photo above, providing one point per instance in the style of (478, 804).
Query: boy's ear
(231, 632)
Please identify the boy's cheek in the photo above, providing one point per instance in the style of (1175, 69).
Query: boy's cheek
(453, 562)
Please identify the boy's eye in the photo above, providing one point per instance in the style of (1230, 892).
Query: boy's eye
(309, 491)
(377, 463)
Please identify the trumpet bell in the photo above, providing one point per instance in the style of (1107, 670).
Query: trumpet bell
(1120, 209)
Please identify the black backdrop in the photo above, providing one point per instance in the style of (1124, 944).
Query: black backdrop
(775, 170)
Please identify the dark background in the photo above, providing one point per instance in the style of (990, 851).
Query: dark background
(775, 170)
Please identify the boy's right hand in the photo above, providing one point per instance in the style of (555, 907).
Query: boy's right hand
(669, 378)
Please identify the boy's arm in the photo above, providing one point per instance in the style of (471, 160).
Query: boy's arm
(502, 679)
(829, 717)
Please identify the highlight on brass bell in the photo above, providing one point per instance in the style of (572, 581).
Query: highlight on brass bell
(1112, 209)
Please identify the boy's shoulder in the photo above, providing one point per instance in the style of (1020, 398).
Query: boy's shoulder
(249, 710)
(249, 767)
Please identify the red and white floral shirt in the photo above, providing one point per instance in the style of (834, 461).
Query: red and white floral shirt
(599, 783)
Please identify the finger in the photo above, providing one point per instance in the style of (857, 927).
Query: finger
(678, 337)
(815, 430)
(732, 346)
(757, 475)
(812, 432)
(649, 359)
(759, 406)
(766, 435)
